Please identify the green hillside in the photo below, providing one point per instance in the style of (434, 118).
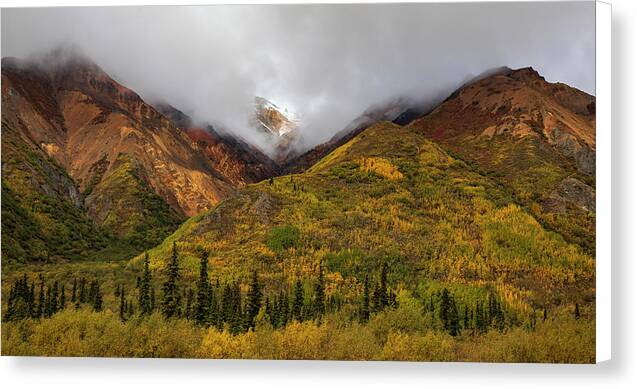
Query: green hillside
(41, 216)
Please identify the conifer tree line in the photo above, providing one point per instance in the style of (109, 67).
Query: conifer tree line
(224, 306)
(381, 298)
(207, 304)
(447, 313)
(38, 299)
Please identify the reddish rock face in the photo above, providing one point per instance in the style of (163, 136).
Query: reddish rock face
(231, 157)
(86, 122)
(518, 103)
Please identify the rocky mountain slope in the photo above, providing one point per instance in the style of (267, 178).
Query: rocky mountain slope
(134, 172)
(235, 159)
(534, 137)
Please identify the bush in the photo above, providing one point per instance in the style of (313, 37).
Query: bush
(283, 238)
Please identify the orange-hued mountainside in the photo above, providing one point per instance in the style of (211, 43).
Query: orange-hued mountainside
(124, 165)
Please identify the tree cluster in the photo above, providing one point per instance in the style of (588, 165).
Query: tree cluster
(476, 318)
(28, 300)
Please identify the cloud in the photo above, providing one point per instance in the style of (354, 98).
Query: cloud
(326, 63)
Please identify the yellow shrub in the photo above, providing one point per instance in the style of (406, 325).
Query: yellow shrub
(382, 167)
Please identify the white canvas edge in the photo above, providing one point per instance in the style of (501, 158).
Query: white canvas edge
(603, 254)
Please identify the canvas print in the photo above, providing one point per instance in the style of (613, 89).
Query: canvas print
(409, 182)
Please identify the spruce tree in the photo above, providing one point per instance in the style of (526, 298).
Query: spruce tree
(122, 305)
(54, 297)
(365, 304)
(297, 303)
(41, 301)
(445, 308)
(62, 298)
(82, 298)
(480, 322)
(319, 295)
(454, 320)
(171, 299)
(190, 300)
(382, 298)
(97, 298)
(74, 291)
(285, 308)
(202, 307)
(145, 303)
(253, 300)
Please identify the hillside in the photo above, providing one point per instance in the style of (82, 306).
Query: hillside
(533, 136)
(389, 195)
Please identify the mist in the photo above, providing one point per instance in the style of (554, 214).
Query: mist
(325, 63)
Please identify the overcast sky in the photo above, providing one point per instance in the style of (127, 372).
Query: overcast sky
(326, 63)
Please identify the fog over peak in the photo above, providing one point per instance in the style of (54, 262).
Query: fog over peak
(325, 63)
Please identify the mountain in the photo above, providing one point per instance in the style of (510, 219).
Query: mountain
(280, 125)
(535, 137)
(235, 159)
(130, 169)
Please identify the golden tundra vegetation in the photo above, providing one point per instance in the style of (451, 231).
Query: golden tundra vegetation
(389, 248)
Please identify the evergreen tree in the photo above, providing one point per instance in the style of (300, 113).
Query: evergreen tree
(382, 298)
(253, 300)
(171, 300)
(215, 316)
(97, 298)
(297, 303)
(48, 306)
(122, 305)
(454, 320)
(33, 304)
(20, 304)
(365, 304)
(202, 308)
(82, 298)
(319, 294)
(74, 291)
(284, 308)
(41, 301)
(480, 325)
(577, 314)
(445, 308)
(189, 304)
(62, 298)
(145, 303)
(54, 297)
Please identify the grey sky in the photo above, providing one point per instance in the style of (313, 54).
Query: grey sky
(327, 63)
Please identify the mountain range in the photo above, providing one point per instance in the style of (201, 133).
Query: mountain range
(87, 162)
